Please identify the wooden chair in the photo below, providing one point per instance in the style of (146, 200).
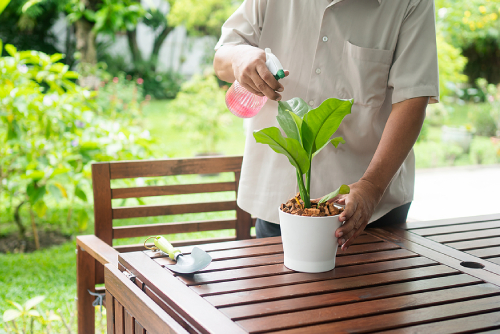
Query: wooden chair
(94, 251)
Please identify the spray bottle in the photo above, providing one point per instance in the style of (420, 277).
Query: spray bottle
(244, 104)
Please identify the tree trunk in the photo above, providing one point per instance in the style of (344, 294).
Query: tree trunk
(134, 48)
(157, 45)
(35, 230)
(19, 223)
(85, 44)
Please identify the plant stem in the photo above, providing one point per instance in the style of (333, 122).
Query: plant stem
(303, 191)
(19, 223)
(35, 230)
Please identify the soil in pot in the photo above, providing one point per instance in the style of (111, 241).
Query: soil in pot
(295, 206)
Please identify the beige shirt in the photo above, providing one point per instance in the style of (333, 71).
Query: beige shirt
(378, 52)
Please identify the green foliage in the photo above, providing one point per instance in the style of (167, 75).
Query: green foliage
(474, 27)
(25, 317)
(308, 132)
(110, 17)
(201, 111)
(451, 65)
(201, 17)
(52, 129)
(483, 151)
(482, 120)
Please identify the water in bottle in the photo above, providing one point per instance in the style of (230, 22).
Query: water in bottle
(244, 104)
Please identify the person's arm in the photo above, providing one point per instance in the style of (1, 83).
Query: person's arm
(399, 136)
(247, 64)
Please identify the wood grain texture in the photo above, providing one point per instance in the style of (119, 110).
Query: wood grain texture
(367, 308)
(456, 228)
(85, 281)
(129, 323)
(139, 329)
(152, 168)
(132, 231)
(176, 189)
(405, 318)
(441, 253)
(480, 323)
(98, 249)
(172, 209)
(466, 236)
(103, 221)
(186, 302)
(451, 221)
(285, 306)
(328, 286)
(110, 311)
(119, 318)
(296, 278)
(141, 307)
(244, 218)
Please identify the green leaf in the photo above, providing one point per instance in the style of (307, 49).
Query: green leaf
(35, 194)
(40, 208)
(17, 305)
(342, 190)
(10, 315)
(34, 313)
(80, 194)
(83, 219)
(29, 4)
(321, 123)
(55, 192)
(3, 4)
(33, 302)
(335, 141)
(11, 50)
(56, 57)
(1, 42)
(287, 146)
(70, 75)
(287, 122)
(298, 106)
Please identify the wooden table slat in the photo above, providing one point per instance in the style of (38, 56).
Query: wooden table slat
(485, 253)
(326, 286)
(466, 236)
(404, 318)
(474, 244)
(295, 277)
(346, 297)
(450, 221)
(456, 228)
(363, 309)
(473, 323)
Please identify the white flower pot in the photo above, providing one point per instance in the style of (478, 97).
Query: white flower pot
(309, 243)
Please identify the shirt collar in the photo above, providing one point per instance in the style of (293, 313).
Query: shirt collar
(336, 1)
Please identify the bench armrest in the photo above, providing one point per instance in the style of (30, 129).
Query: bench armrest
(98, 249)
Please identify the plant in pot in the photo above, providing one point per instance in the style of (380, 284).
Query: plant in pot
(307, 226)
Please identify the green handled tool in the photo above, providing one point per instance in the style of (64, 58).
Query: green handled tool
(185, 264)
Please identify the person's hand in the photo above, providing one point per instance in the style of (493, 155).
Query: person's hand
(359, 206)
(250, 70)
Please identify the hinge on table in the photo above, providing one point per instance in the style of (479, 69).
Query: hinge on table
(130, 276)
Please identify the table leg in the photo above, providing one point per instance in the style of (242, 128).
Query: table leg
(85, 280)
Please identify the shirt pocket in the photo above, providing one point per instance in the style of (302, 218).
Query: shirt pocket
(365, 74)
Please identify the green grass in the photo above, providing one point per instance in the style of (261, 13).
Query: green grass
(171, 141)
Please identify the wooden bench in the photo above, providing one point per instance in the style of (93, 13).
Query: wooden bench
(94, 251)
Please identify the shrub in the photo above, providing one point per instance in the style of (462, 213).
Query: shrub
(52, 129)
(432, 154)
(482, 119)
(483, 151)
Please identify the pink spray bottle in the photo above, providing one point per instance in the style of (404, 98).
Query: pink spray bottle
(244, 104)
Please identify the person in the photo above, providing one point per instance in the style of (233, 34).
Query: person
(382, 54)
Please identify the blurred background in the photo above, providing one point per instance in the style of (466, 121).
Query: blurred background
(102, 80)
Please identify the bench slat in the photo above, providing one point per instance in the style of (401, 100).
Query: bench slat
(176, 209)
(152, 168)
(171, 228)
(177, 189)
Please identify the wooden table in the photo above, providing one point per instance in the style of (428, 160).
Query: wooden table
(391, 280)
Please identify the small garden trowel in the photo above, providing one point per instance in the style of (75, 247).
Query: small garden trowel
(186, 264)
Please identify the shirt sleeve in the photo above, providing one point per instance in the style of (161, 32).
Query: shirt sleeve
(245, 25)
(414, 71)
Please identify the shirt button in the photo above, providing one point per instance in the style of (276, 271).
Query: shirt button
(318, 71)
(311, 103)
(325, 38)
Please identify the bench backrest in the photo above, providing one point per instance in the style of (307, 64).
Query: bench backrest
(103, 173)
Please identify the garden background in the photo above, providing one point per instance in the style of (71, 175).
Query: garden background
(101, 80)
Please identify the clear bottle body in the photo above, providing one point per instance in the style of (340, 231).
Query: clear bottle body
(242, 103)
